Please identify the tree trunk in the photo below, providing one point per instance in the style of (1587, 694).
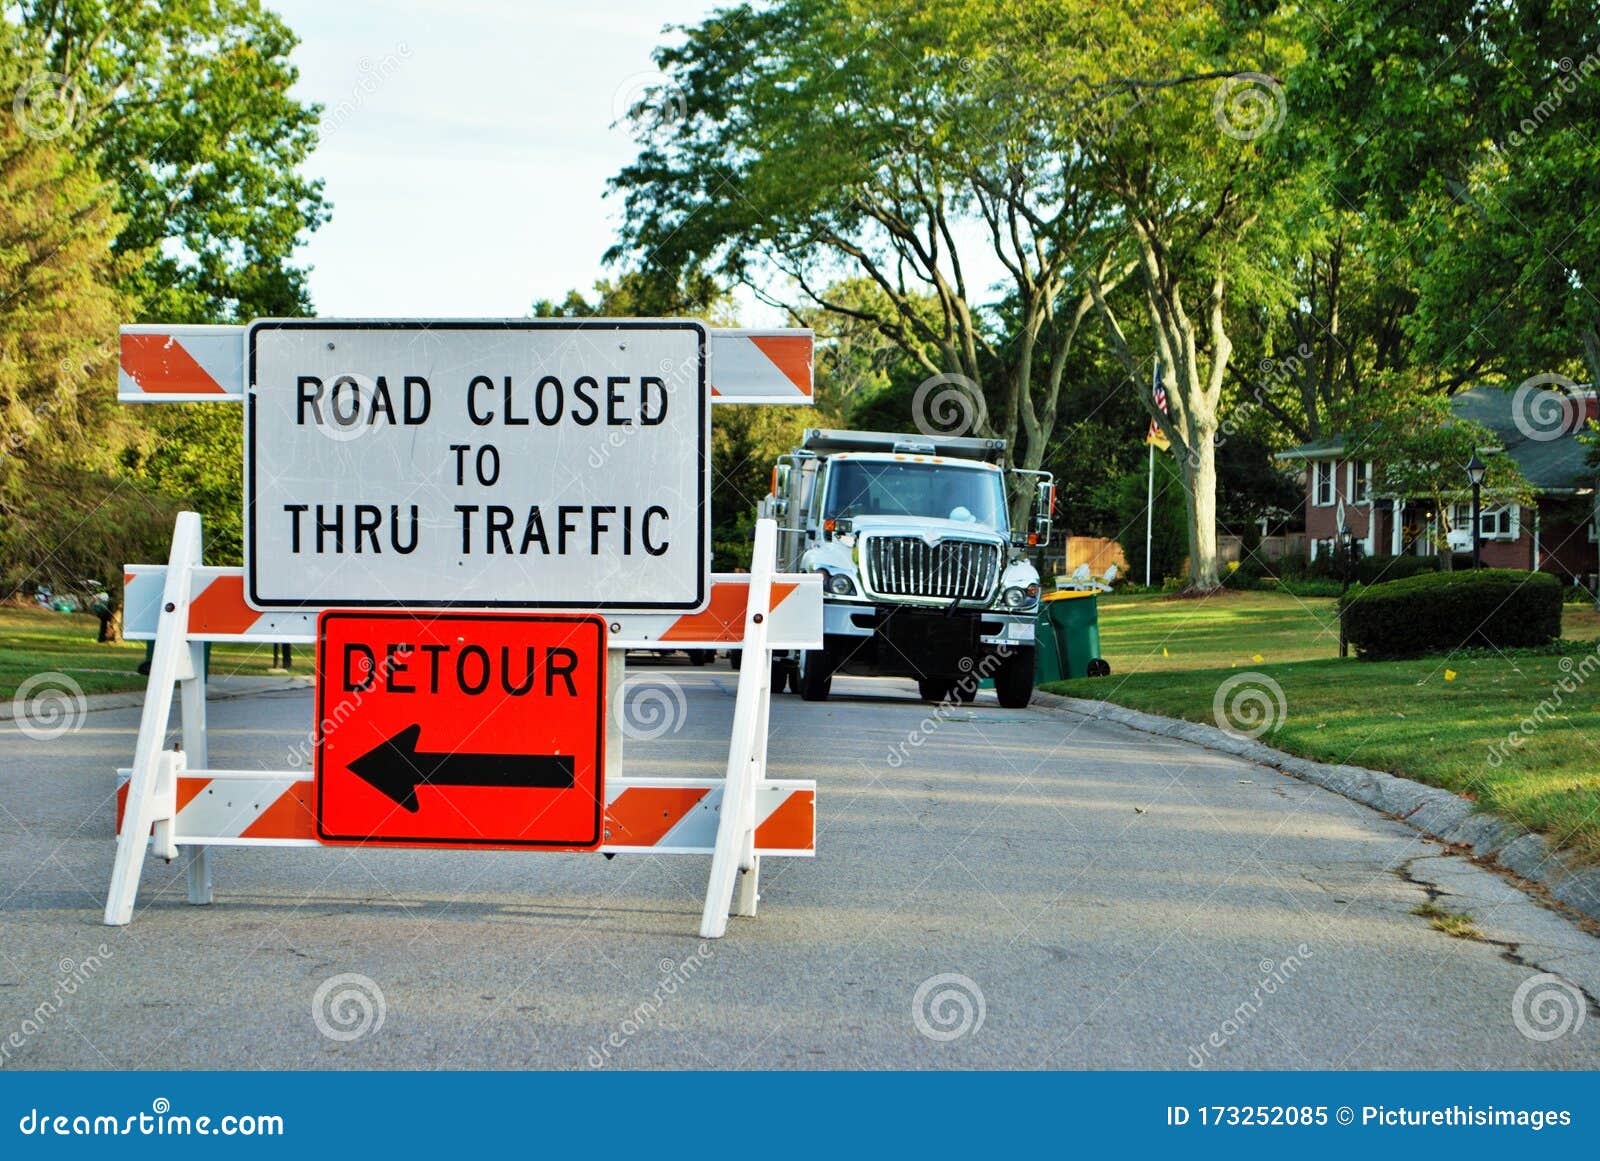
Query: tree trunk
(1200, 482)
(111, 626)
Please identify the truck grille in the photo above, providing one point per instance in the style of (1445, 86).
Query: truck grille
(908, 566)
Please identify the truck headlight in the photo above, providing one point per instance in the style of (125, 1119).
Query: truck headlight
(839, 584)
(1020, 598)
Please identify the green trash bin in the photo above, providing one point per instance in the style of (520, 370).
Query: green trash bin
(1067, 637)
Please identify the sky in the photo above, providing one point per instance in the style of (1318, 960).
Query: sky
(466, 146)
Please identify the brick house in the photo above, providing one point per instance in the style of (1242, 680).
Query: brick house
(1555, 534)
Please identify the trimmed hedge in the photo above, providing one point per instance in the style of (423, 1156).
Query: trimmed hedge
(1500, 608)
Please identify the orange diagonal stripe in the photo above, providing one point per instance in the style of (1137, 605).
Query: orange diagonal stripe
(160, 365)
(790, 355)
(220, 608)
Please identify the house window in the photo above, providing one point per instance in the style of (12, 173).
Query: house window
(1322, 483)
(1361, 482)
(1501, 523)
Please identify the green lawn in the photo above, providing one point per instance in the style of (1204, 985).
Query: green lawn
(1440, 720)
(37, 641)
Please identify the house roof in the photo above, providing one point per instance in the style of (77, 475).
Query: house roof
(1550, 465)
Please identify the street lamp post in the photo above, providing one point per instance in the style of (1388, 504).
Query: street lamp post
(1475, 472)
(1347, 543)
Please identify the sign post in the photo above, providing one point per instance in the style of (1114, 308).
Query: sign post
(473, 521)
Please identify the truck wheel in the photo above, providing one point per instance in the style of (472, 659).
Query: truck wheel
(1013, 681)
(780, 675)
(964, 689)
(698, 657)
(816, 676)
(734, 657)
(933, 688)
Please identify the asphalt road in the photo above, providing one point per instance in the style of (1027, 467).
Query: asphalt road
(1014, 889)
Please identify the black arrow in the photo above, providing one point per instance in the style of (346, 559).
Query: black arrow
(396, 768)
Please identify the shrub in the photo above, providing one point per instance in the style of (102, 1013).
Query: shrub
(1438, 612)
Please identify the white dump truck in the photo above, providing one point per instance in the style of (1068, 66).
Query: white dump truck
(923, 574)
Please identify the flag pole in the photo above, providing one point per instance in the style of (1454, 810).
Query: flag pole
(1150, 482)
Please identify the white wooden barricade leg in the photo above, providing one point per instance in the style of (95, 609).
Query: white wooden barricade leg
(747, 749)
(171, 660)
(197, 863)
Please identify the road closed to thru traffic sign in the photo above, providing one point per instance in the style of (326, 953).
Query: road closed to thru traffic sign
(534, 464)
(461, 729)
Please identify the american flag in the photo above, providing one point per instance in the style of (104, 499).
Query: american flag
(1154, 436)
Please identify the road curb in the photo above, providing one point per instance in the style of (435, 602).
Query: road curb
(216, 691)
(1428, 809)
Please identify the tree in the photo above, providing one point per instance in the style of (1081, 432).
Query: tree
(1179, 116)
(1475, 128)
(64, 512)
(185, 107)
(824, 142)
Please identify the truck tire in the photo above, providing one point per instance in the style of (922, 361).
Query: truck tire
(964, 689)
(1013, 681)
(698, 657)
(815, 676)
(933, 688)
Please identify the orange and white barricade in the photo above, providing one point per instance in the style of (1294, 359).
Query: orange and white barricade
(177, 804)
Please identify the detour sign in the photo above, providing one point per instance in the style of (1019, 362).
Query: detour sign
(461, 729)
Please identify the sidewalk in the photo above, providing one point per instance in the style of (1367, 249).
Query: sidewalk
(219, 688)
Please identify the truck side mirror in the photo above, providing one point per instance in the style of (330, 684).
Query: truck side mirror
(1044, 502)
(780, 489)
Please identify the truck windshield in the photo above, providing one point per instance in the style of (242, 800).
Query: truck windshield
(942, 491)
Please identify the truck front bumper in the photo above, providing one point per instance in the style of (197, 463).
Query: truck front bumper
(919, 641)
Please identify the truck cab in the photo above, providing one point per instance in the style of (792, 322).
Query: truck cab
(923, 574)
